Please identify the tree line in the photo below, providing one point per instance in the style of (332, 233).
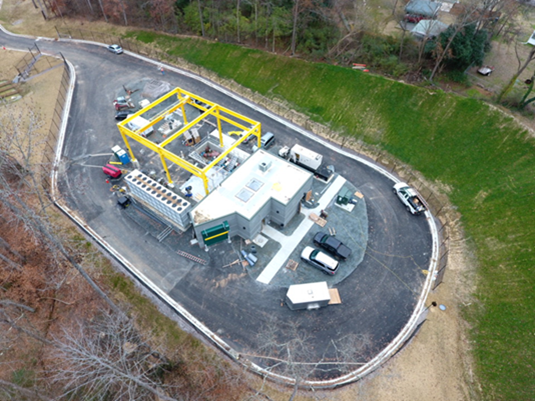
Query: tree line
(337, 31)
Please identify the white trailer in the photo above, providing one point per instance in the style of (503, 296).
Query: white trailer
(308, 296)
(139, 122)
(302, 157)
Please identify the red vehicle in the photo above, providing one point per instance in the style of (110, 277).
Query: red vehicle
(413, 18)
(111, 171)
(122, 104)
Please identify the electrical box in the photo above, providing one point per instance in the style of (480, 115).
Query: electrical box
(344, 196)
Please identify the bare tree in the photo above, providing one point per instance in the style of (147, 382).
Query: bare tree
(520, 69)
(200, 17)
(287, 356)
(102, 9)
(238, 17)
(350, 351)
(18, 157)
(295, 12)
(107, 358)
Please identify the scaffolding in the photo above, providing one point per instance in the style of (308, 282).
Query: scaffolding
(247, 126)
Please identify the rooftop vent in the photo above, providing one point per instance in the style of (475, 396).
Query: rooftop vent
(264, 166)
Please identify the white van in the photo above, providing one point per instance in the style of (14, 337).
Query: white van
(265, 141)
(139, 122)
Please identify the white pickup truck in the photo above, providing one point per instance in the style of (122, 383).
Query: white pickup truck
(410, 198)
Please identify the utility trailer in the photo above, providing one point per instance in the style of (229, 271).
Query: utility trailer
(410, 198)
(139, 122)
(307, 159)
(308, 296)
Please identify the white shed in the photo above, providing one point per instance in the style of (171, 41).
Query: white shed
(308, 296)
(428, 28)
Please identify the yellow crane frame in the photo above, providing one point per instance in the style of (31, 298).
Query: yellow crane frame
(209, 108)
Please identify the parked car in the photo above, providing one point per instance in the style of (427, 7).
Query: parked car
(413, 18)
(249, 139)
(122, 114)
(332, 245)
(115, 49)
(485, 70)
(320, 260)
(410, 198)
(111, 171)
(266, 140)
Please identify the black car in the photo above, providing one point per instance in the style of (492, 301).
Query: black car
(332, 245)
(122, 114)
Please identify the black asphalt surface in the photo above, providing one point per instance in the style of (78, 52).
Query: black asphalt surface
(378, 298)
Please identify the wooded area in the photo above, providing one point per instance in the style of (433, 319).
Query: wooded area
(63, 336)
(336, 31)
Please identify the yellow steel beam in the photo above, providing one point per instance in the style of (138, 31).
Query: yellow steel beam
(205, 182)
(165, 153)
(184, 97)
(222, 108)
(149, 107)
(164, 164)
(182, 163)
(187, 127)
(219, 128)
(184, 115)
(124, 135)
(226, 152)
(160, 115)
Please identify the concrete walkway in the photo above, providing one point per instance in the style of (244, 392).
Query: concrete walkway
(290, 242)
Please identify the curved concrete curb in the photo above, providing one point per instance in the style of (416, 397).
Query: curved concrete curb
(374, 364)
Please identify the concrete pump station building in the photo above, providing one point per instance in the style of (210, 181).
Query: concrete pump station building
(236, 192)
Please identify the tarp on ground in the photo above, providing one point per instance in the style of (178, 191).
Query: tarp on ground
(429, 28)
(423, 7)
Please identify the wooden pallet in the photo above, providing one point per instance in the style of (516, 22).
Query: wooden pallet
(318, 220)
(292, 265)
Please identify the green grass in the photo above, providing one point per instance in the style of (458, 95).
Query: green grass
(23, 377)
(147, 314)
(486, 158)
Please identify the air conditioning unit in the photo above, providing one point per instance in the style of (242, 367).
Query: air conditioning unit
(264, 166)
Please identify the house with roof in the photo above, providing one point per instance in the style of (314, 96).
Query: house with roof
(424, 8)
(428, 28)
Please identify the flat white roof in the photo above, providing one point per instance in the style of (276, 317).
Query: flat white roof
(248, 188)
(309, 292)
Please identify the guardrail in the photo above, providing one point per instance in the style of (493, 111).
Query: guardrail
(49, 152)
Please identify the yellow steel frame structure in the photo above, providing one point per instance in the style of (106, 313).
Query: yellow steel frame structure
(209, 108)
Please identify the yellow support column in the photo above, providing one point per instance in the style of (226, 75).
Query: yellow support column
(169, 179)
(130, 152)
(218, 115)
(205, 181)
(184, 114)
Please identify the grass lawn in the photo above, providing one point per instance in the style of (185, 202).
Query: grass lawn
(483, 155)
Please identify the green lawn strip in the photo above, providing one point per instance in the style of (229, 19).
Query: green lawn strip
(482, 154)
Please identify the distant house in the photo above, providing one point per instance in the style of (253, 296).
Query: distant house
(428, 28)
(424, 8)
